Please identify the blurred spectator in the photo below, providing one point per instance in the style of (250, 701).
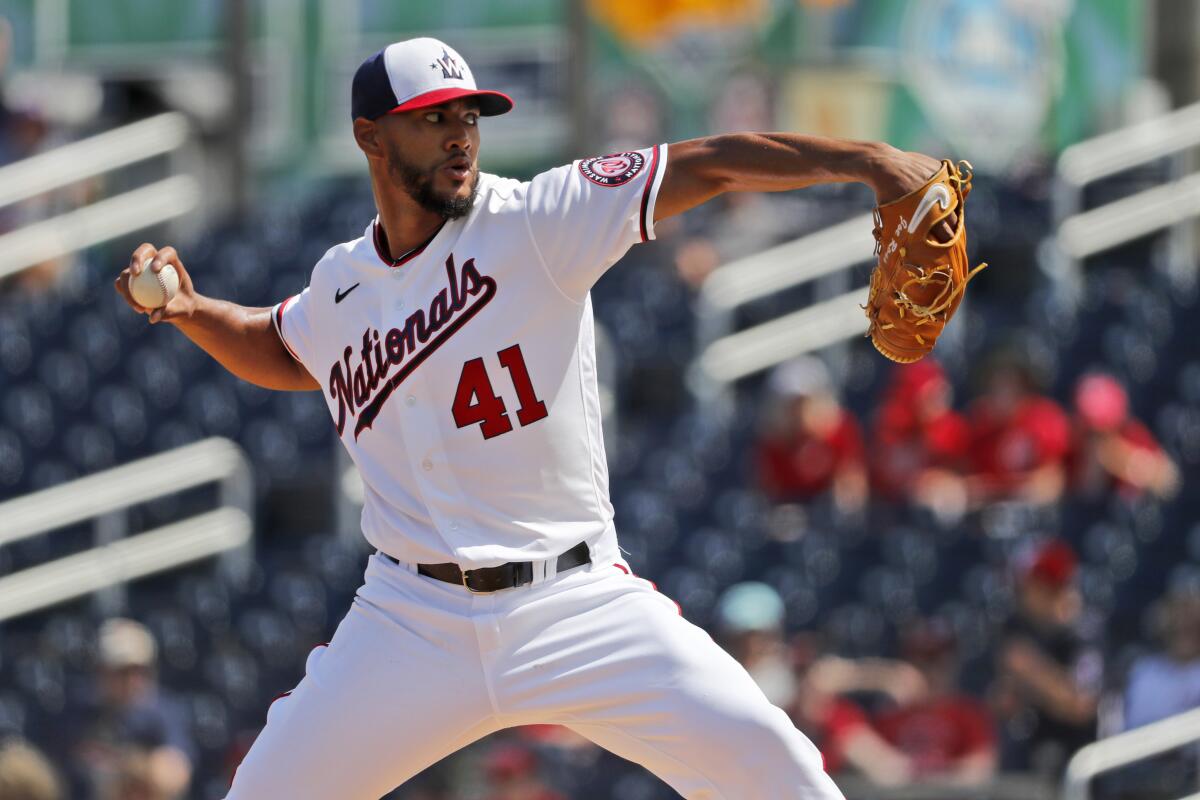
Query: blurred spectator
(512, 774)
(750, 618)
(1113, 451)
(695, 259)
(837, 725)
(24, 773)
(1168, 682)
(812, 445)
(125, 711)
(1161, 685)
(21, 132)
(136, 779)
(921, 443)
(1049, 667)
(1020, 440)
(947, 736)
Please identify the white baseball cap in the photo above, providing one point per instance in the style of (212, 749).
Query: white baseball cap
(125, 643)
(417, 73)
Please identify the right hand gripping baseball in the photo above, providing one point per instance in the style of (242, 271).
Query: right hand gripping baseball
(147, 256)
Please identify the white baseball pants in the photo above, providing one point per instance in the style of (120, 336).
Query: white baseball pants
(420, 668)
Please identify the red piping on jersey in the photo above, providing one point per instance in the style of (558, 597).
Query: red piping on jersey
(377, 236)
(279, 325)
(289, 691)
(653, 586)
(646, 189)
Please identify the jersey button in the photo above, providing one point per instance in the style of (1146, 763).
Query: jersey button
(427, 465)
(410, 400)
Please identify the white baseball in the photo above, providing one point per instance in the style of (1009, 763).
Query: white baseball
(152, 289)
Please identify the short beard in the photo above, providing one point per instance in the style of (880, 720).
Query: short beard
(418, 183)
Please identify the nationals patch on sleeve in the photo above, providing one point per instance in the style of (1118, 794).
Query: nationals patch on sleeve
(612, 170)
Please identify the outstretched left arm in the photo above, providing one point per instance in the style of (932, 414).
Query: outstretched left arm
(700, 169)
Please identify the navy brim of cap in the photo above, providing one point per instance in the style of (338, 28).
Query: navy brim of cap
(490, 103)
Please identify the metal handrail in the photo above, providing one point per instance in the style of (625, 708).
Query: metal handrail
(1117, 151)
(1130, 218)
(789, 264)
(1127, 748)
(93, 156)
(206, 461)
(125, 560)
(115, 558)
(96, 223)
(744, 353)
(1080, 234)
(726, 356)
(106, 219)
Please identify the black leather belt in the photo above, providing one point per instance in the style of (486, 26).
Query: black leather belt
(504, 576)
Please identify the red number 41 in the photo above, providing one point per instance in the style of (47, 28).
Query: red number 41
(476, 403)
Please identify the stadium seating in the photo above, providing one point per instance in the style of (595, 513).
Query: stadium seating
(687, 508)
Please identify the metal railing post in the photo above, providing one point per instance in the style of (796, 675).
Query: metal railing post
(109, 528)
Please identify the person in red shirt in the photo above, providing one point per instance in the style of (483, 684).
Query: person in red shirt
(947, 736)
(511, 770)
(837, 725)
(811, 445)
(921, 443)
(1112, 450)
(1020, 440)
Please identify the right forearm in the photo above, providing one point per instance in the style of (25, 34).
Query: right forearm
(244, 341)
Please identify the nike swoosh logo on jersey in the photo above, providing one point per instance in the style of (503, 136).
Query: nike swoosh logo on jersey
(938, 193)
(361, 389)
(339, 295)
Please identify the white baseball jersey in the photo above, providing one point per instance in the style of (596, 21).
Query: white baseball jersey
(462, 375)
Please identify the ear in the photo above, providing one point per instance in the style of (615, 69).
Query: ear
(366, 135)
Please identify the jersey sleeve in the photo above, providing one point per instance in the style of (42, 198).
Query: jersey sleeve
(585, 215)
(292, 322)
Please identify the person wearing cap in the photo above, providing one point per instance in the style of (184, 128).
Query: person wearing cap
(1020, 439)
(453, 343)
(750, 618)
(1112, 451)
(920, 444)
(126, 716)
(811, 446)
(1049, 666)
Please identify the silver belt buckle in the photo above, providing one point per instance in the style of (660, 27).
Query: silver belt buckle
(467, 583)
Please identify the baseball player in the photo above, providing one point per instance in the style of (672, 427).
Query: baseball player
(453, 343)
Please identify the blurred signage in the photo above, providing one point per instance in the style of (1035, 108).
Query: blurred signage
(1000, 82)
(451, 15)
(124, 22)
(641, 22)
(986, 72)
(16, 33)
